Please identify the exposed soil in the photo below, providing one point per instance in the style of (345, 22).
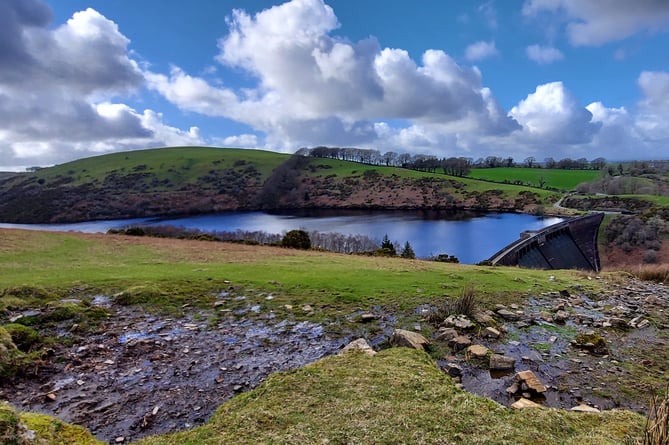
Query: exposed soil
(143, 374)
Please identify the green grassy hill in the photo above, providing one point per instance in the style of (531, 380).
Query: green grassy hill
(198, 180)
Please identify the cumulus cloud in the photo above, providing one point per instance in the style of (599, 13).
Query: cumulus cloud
(316, 88)
(543, 54)
(654, 107)
(552, 115)
(481, 50)
(596, 22)
(53, 107)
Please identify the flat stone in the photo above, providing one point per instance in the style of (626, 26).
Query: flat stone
(491, 332)
(531, 380)
(409, 339)
(583, 408)
(507, 314)
(523, 403)
(360, 345)
(499, 362)
(477, 351)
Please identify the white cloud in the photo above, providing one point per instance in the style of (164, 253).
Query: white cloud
(481, 50)
(242, 141)
(543, 54)
(314, 88)
(58, 88)
(552, 115)
(653, 109)
(596, 22)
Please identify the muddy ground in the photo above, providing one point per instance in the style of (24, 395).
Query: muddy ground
(143, 374)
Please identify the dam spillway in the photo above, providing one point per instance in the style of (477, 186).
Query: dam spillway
(570, 244)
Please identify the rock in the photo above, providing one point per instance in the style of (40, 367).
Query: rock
(531, 380)
(459, 322)
(619, 323)
(583, 408)
(453, 370)
(367, 317)
(358, 345)
(561, 316)
(523, 403)
(499, 362)
(477, 351)
(491, 332)
(545, 316)
(507, 314)
(446, 334)
(460, 342)
(483, 318)
(408, 339)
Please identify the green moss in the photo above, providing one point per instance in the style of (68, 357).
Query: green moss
(37, 429)
(137, 295)
(592, 342)
(53, 431)
(24, 337)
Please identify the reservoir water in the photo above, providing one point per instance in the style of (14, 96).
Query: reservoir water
(470, 236)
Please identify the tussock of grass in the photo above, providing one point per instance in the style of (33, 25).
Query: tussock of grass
(656, 431)
(652, 272)
(396, 396)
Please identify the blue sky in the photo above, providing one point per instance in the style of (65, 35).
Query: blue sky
(519, 78)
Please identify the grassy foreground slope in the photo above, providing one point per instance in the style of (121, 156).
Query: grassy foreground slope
(397, 396)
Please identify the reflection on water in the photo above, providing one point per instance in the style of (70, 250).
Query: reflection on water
(470, 236)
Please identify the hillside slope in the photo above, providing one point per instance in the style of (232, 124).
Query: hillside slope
(199, 180)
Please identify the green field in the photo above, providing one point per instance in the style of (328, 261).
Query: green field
(554, 178)
(190, 270)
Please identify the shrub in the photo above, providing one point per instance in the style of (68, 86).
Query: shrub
(296, 239)
(650, 257)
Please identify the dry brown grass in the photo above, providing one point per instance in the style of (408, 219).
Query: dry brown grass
(656, 431)
(651, 272)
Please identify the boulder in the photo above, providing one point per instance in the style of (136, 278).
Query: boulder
(499, 362)
(409, 339)
(360, 345)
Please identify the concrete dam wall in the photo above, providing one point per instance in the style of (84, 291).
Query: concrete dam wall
(570, 244)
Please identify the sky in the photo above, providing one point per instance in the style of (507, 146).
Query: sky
(477, 78)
